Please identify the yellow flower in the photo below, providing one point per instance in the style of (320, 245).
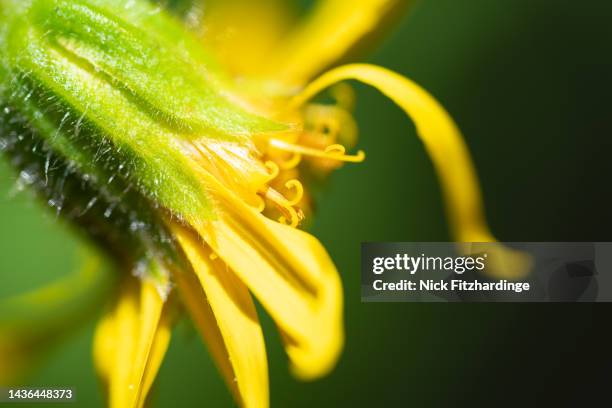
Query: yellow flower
(227, 202)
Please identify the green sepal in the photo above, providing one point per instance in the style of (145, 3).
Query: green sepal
(114, 89)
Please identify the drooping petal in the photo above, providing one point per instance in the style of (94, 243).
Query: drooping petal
(449, 154)
(34, 322)
(131, 341)
(223, 311)
(289, 272)
(329, 34)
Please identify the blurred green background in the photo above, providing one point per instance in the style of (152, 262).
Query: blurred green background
(529, 82)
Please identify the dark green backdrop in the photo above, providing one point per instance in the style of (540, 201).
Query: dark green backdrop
(529, 83)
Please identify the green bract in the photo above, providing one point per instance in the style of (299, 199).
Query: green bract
(95, 97)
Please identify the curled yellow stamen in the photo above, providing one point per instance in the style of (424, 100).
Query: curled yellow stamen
(291, 163)
(261, 204)
(299, 191)
(332, 152)
(290, 216)
(274, 170)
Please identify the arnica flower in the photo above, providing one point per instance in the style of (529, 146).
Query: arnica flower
(182, 140)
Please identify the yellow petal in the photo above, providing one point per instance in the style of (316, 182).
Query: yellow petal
(244, 32)
(288, 271)
(194, 298)
(449, 154)
(154, 338)
(131, 341)
(32, 323)
(104, 348)
(156, 355)
(225, 314)
(329, 34)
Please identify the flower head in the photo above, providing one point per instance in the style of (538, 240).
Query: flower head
(184, 154)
